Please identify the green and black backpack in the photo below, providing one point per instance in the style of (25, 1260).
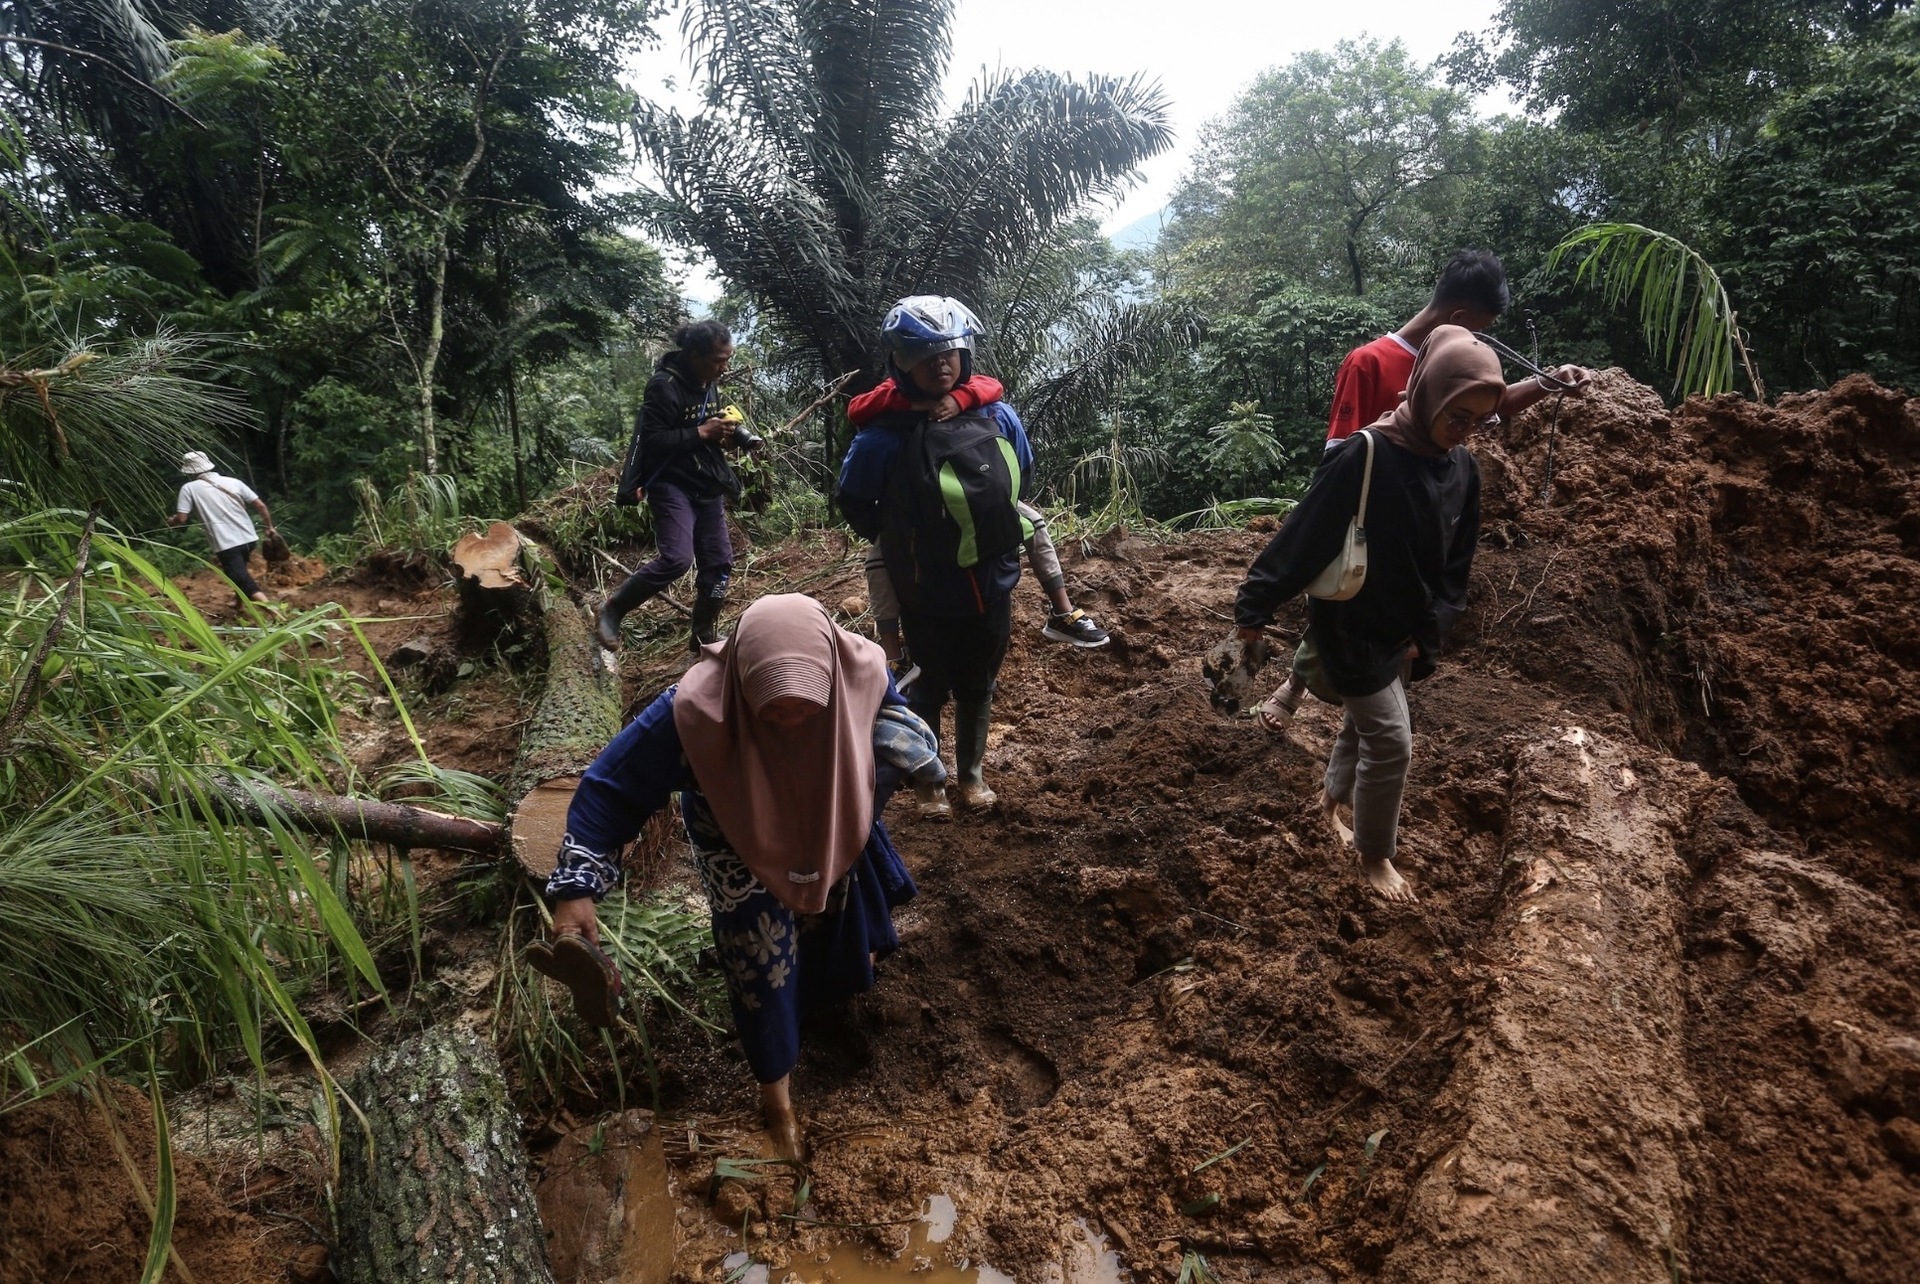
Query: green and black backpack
(950, 506)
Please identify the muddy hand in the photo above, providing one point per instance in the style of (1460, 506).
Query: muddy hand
(1231, 667)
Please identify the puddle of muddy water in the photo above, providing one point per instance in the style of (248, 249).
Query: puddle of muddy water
(1087, 1259)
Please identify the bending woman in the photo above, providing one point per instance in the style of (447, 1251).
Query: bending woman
(783, 743)
(1422, 523)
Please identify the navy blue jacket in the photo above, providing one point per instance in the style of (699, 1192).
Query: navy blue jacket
(863, 485)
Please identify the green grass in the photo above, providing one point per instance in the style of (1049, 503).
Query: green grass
(147, 936)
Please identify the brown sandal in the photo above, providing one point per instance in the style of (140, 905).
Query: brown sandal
(585, 969)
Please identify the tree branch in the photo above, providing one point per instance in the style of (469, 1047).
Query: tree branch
(108, 63)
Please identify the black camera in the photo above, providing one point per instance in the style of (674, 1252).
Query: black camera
(743, 437)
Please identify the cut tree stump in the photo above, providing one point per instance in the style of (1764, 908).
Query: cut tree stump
(1577, 1117)
(443, 1196)
(497, 600)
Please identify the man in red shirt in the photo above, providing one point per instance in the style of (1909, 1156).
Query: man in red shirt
(1471, 292)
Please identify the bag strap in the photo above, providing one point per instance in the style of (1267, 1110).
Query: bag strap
(208, 478)
(1366, 482)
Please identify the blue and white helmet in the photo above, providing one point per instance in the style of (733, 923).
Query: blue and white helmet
(925, 324)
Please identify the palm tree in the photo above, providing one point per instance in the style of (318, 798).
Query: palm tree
(823, 180)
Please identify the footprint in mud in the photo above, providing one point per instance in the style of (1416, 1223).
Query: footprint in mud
(1021, 1077)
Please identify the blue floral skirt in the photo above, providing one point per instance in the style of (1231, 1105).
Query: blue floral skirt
(779, 964)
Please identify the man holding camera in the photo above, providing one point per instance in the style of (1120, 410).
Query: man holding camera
(678, 465)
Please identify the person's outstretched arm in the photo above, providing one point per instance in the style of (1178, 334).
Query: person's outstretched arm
(629, 781)
(1521, 395)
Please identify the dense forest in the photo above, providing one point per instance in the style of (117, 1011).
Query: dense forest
(405, 266)
(426, 239)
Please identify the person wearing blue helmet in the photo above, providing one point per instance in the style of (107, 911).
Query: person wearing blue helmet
(940, 497)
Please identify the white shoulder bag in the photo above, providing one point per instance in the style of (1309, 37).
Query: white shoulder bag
(1347, 573)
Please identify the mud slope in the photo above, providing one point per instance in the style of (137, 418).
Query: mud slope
(1655, 1017)
(1690, 1049)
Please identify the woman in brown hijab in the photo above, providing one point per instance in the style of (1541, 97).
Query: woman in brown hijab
(1422, 523)
(783, 743)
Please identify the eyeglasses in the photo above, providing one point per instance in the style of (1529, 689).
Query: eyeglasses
(1463, 422)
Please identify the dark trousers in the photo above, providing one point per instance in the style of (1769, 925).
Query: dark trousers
(686, 532)
(958, 656)
(233, 561)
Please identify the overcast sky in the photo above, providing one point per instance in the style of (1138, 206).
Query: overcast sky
(1205, 52)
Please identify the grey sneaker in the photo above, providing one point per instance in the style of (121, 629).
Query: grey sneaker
(1075, 627)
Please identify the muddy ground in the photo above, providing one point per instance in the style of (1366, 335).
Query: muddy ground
(1656, 1015)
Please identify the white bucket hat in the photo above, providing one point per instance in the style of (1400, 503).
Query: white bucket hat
(195, 462)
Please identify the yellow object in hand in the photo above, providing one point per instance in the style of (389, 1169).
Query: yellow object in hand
(732, 415)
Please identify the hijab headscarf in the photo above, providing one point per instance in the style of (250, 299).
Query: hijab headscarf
(1451, 362)
(796, 804)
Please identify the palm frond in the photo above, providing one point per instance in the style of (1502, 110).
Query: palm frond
(1023, 152)
(1685, 315)
(740, 196)
(109, 419)
(1116, 341)
(1243, 445)
(877, 67)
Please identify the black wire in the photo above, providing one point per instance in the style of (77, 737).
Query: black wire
(1547, 381)
(1553, 428)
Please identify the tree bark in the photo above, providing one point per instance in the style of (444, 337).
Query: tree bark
(579, 712)
(519, 456)
(1578, 1124)
(506, 579)
(436, 1188)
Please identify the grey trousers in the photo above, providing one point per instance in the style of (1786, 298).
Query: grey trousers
(1041, 555)
(1368, 767)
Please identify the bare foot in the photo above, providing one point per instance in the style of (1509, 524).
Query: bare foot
(783, 1126)
(784, 1131)
(1330, 808)
(1386, 880)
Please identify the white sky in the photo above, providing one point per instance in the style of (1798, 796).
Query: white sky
(1205, 52)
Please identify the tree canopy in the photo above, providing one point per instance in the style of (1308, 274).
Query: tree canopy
(824, 181)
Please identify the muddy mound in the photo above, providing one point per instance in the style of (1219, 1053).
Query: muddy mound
(70, 1211)
(1654, 1016)
(1743, 581)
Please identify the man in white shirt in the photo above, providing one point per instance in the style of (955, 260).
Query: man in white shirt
(221, 503)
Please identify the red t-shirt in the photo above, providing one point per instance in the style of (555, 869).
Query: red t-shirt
(1369, 384)
(976, 392)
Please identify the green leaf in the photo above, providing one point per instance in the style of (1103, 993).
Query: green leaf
(1205, 1204)
(1312, 1177)
(1686, 317)
(1234, 1149)
(164, 1193)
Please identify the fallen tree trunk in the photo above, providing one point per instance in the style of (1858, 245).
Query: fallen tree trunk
(1577, 1115)
(436, 1188)
(505, 577)
(607, 1200)
(362, 819)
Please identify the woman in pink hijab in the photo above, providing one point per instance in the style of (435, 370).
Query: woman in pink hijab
(783, 743)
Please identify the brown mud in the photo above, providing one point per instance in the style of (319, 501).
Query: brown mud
(1655, 1016)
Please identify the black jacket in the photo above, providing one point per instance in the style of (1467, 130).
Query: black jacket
(1423, 522)
(666, 443)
